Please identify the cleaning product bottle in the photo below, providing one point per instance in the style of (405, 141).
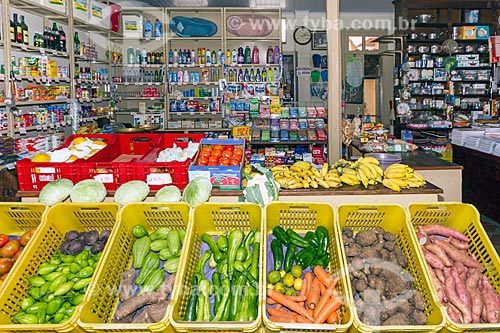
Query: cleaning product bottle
(138, 56)
(258, 77)
(252, 75)
(144, 56)
(246, 76)
(264, 74)
(130, 55)
(208, 54)
(234, 57)
(148, 29)
(186, 76)
(240, 75)
(276, 54)
(241, 56)
(158, 28)
(228, 57)
(270, 55)
(214, 57)
(255, 55)
(220, 57)
(270, 75)
(248, 55)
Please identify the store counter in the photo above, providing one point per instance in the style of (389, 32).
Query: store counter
(444, 174)
(376, 194)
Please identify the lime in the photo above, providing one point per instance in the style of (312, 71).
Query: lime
(291, 292)
(280, 287)
(288, 280)
(270, 286)
(273, 277)
(297, 284)
(296, 271)
(282, 273)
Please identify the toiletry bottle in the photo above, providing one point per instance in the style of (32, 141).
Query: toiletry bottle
(255, 55)
(276, 54)
(158, 28)
(234, 57)
(241, 56)
(248, 55)
(270, 55)
(148, 29)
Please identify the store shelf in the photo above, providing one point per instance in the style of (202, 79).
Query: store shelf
(39, 10)
(196, 98)
(204, 39)
(94, 100)
(284, 143)
(194, 83)
(42, 79)
(39, 50)
(193, 65)
(424, 41)
(471, 41)
(428, 95)
(92, 119)
(29, 103)
(197, 130)
(253, 65)
(87, 26)
(142, 39)
(79, 58)
(138, 83)
(186, 115)
(137, 65)
(254, 39)
(44, 127)
(87, 81)
(431, 25)
(142, 98)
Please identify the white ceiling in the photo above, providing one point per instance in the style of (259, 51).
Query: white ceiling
(289, 5)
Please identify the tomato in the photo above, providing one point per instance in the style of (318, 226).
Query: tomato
(217, 152)
(18, 253)
(238, 151)
(4, 239)
(32, 231)
(25, 238)
(207, 148)
(236, 159)
(212, 164)
(213, 159)
(234, 162)
(205, 153)
(219, 147)
(10, 249)
(224, 161)
(227, 153)
(5, 265)
(228, 147)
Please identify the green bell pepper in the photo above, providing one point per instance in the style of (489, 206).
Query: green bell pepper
(296, 239)
(277, 250)
(281, 235)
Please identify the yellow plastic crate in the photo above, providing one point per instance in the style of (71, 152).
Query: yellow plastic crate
(464, 218)
(214, 219)
(58, 220)
(304, 217)
(101, 302)
(18, 218)
(392, 218)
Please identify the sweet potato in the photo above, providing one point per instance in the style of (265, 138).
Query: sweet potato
(461, 290)
(126, 284)
(422, 238)
(437, 284)
(440, 275)
(436, 229)
(433, 260)
(454, 313)
(439, 252)
(458, 244)
(454, 299)
(456, 255)
(491, 301)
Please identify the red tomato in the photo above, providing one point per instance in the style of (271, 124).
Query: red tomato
(234, 162)
(10, 249)
(219, 147)
(236, 159)
(227, 153)
(224, 161)
(238, 151)
(212, 164)
(217, 152)
(4, 239)
(228, 147)
(18, 253)
(213, 159)
(205, 153)
(5, 265)
(207, 148)
(202, 161)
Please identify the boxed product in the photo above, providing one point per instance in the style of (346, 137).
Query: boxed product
(222, 175)
(81, 9)
(57, 5)
(132, 25)
(97, 15)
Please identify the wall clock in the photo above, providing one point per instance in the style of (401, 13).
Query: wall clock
(302, 35)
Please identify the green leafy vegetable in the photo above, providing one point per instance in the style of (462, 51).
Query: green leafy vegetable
(197, 191)
(132, 191)
(261, 189)
(169, 193)
(55, 192)
(88, 190)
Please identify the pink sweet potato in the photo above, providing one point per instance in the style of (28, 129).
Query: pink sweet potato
(454, 298)
(422, 238)
(440, 275)
(458, 243)
(433, 260)
(454, 313)
(436, 229)
(460, 289)
(491, 301)
(437, 284)
(440, 253)
(456, 254)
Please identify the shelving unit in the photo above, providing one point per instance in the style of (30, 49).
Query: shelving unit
(434, 89)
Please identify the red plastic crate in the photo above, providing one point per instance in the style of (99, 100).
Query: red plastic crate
(33, 176)
(115, 167)
(160, 174)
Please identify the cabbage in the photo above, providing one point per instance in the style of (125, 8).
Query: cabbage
(132, 191)
(261, 188)
(197, 191)
(88, 190)
(55, 191)
(168, 194)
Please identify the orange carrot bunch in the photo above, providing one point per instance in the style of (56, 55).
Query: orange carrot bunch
(318, 301)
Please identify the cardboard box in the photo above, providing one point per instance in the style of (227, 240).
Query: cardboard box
(57, 5)
(132, 25)
(222, 177)
(81, 9)
(97, 14)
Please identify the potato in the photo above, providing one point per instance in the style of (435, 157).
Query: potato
(419, 317)
(399, 319)
(366, 238)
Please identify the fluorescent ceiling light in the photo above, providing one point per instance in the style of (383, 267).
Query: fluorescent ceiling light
(283, 30)
(267, 3)
(190, 3)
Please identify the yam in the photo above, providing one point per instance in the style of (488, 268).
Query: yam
(371, 313)
(346, 240)
(491, 301)
(418, 301)
(458, 244)
(399, 319)
(357, 264)
(133, 304)
(405, 308)
(437, 284)
(440, 275)
(366, 238)
(422, 238)
(419, 317)
(371, 296)
(395, 282)
(353, 250)
(348, 232)
(454, 313)
(439, 253)
(401, 257)
(389, 236)
(126, 284)
(359, 285)
(460, 289)
(389, 246)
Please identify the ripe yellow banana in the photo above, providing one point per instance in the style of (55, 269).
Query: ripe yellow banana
(363, 177)
(279, 168)
(348, 180)
(390, 184)
(302, 165)
(400, 182)
(313, 184)
(369, 159)
(323, 183)
(349, 171)
(295, 186)
(305, 183)
(419, 176)
(324, 170)
(370, 174)
(316, 172)
(395, 174)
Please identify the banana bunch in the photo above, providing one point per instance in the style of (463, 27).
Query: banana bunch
(365, 170)
(304, 175)
(398, 176)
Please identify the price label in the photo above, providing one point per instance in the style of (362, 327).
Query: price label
(141, 83)
(202, 113)
(54, 52)
(159, 179)
(214, 113)
(11, 166)
(175, 65)
(191, 98)
(24, 48)
(191, 113)
(68, 122)
(157, 83)
(65, 54)
(38, 127)
(181, 65)
(67, 79)
(78, 81)
(44, 79)
(51, 125)
(179, 113)
(22, 130)
(236, 97)
(44, 127)
(136, 83)
(2, 77)
(42, 50)
(195, 83)
(58, 125)
(202, 65)
(127, 83)
(38, 80)
(56, 80)
(152, 98)
(105, 178)
(178, 98)
(207, 83)
(17, 77)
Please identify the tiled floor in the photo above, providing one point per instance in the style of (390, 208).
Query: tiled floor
(493, 230)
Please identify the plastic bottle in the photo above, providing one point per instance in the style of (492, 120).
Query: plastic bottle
(193, 57)
(188, 57)
(270, 55)
(234, 57)
(277, 54)
(186, 76)
(264, 74)
(248, 55)
(214, 57)
(241, 56)
(240, 75)
(158, 28)
(130, 55)
(138, 56)
(203, 55)
(208, 55)
(258, 77)
(255, 55)
(231, 75)
(148, 29)
(175, 59)
(180, 75)
(270, 75)
(252, 75)
(220, 57)
(246, 76)
(228, 57)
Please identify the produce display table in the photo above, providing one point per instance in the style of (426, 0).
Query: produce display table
(444, 174)
(345, 194)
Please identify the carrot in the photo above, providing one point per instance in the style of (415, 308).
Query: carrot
(278, 306)
(271, 301)
(322, 289)
(313, 296)
(322, 302)
(281, 313)
(311, 312)
(303, 320)
(289, 304)
(308, 279)
(334, 318)
(323, 276)
(281, 319)
(303, 291)
(327, 310)
(296, 298)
